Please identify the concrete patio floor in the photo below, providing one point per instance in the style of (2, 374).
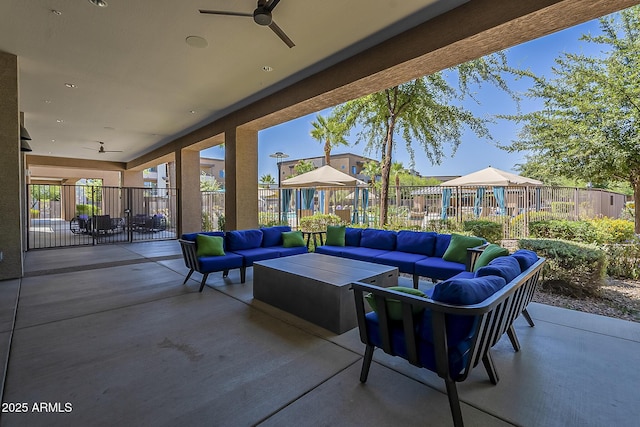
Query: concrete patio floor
(111, 335)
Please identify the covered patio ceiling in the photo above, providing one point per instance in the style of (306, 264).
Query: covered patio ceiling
(140, 86)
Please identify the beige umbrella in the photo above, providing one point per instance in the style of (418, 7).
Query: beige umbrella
(491, 176)
(325, 176)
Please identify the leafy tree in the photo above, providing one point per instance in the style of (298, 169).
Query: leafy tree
(588, 127)
(267, 180)
(371, 169)
(397, 169)
(303, 166)
(331, 132)
(208, 183)
(421, 111)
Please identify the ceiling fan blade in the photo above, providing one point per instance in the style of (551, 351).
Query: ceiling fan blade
(271, 5)
(222, 12)
(274, 27)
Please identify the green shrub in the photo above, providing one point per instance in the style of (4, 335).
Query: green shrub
(221, 222)
(319, 222)
(87, 210)
(609, 230)
(445, 226)
(489, 230)
(269, 219)
(599, 230)
(563, 208)
(572, 269)
(35, 213)
(624, 259)
(207, 222)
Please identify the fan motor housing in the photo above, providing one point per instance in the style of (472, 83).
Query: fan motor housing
(262, 17)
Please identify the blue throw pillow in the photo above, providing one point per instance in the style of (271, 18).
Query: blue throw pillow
(192, 236)
(243, 239)
(467, 291)
(416, 242)
(506, 267)
(442, 243)
(378, 239)
(352, 236)
(272, 236)
(525, 257)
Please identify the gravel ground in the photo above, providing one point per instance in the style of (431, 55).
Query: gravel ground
(619, 299)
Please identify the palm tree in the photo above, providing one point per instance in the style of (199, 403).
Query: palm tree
(396, 170)
(331, 132)
(372, 170)
(267, 180)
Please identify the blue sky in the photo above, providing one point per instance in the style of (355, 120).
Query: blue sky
(293, 138)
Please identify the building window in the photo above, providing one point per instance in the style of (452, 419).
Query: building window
(221, 174)
(353, 170)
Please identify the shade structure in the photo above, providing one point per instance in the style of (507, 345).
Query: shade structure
(491, 176)
(325, 176)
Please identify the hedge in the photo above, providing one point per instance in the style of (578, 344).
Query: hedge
(491, 231)
(572, 269)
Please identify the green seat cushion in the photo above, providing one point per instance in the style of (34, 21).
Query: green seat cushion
(292, 239)
(394, 307)
(490, 253)
(457, 249)
(209, 245)
(335, 235)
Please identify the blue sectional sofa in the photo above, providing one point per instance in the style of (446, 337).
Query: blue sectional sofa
(241, 249)
(413, 252)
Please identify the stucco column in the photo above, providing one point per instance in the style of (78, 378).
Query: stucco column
(132, 179)
(11, 161)
(187, 167)
(241, 178)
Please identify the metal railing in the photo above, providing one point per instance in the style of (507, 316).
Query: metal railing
(74, 215)
(427, 208)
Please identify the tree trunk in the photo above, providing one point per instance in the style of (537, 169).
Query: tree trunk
(635, 183)
(327, 152)
(397, 192)
(386, 171)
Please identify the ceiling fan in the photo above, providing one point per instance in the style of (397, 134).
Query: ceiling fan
(101, 150)
(261, 16)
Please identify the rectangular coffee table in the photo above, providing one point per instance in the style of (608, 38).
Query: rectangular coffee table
(316, 287)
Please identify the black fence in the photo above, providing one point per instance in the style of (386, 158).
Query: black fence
(75, 215)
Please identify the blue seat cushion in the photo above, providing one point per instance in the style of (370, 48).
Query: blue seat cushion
(378, 239)
(458, 350)
(330, 250)
(210, 264)
(464, 275)
(361, 254)
(467, 291)
(192, 236)
(416, 242)
(437, 268)
(243, 239)
(525, 257)
(403, 260)
(272, 236)
(442, 243)
(282, 251)
(506, 267)
(352, 236)
(258, 254)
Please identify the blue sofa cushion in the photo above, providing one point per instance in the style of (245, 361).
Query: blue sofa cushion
(210, 264)
(352, 236)
(464, 275)
(442, 243)
(258, 254)
(243, 239)
(272, 236)
(525, 257)
(378, 239)
(416, 242)
(437, 268)
(506, 267)
(192, 236)
(282, 251)
(361, 254)
(467, 291)
(330, 250)
(403, 260)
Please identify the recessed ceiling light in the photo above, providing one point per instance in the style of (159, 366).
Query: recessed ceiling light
(70, 85)
(99, 3)
(267, 69)
(192, 111)
(53, 140)
(195, 41)
(59, 121)
(109, 128)
(47, 101)
(56, 12)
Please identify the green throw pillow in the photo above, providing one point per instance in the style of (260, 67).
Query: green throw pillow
(394, 307)
(292, 239)
(457, 250)
(209, 245)
(335, 235)
(490, 252)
